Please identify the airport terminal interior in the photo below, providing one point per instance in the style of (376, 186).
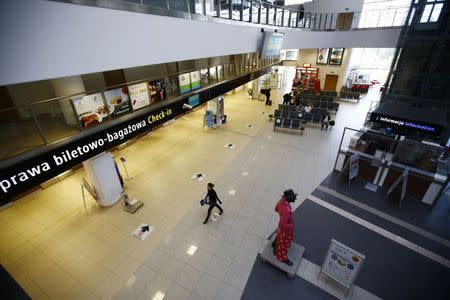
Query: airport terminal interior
(182, 149)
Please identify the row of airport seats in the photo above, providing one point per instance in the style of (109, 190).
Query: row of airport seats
(289, 117)
(330, 106)
(349, 96)
(314, 97)
(287, 109)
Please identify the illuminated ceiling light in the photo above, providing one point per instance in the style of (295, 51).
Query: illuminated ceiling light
(191, 250)
(158, 296)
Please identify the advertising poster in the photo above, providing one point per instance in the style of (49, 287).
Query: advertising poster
(90, 109)
(336, 56)
(342, 263)
(185, 83)
(157, 91)
(194, 100)
(139, 95)
(172, 86)
(322, 55)
(195, 80)
(118, 101)
(204, 77)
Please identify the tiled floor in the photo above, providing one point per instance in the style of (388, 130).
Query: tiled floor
(55, 251)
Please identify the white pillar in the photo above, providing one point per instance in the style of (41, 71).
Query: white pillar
(344, 68)
(68, 86)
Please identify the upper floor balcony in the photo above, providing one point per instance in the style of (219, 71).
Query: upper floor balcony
(259, 12)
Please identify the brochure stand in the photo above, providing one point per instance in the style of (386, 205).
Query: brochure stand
(129, 205)
(123, 160)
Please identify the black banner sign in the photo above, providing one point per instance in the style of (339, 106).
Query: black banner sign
(39, 169)
(406, 124)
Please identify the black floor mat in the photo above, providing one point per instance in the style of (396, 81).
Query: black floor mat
(435, 219)
(9, 288)
(403, 232)
(391, 270)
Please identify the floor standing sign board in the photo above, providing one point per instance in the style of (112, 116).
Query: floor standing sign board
(354, 166)
(342, 264)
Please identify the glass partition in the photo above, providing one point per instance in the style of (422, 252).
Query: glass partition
(219, 73)
(422, 156)
(212, 75)
(56, 119)
(18, 132)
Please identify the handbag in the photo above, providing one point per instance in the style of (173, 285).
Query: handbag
(204, 201)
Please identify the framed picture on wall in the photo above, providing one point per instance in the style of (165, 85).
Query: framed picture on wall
(322, 55)
(336, 56)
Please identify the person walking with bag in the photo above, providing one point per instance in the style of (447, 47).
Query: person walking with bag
(212, 201)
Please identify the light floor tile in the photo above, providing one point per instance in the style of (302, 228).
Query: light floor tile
(207, 286)
(188, 277)
(227, 292)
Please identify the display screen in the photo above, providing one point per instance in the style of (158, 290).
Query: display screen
(272, 44)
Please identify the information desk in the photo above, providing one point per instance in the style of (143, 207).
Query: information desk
(383, 160)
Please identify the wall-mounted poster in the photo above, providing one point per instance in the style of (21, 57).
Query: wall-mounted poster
(336, 56)
(90, 109)
(118, 101)
(185, 83)
(157, 91)
(139, 95)
(172, 86)
(204, 77)
(322, 55)
(195, 80)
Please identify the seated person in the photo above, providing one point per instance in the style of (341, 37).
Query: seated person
(308, 108)
(326, 120)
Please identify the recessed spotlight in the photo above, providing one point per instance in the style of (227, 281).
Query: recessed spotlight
(191, 250)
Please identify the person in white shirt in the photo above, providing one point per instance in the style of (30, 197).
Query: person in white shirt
(308, 108)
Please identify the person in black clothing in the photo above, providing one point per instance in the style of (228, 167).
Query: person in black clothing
(287, 99)
(326, 119)
(212, 201)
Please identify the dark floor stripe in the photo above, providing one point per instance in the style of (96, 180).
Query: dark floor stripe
(433, 219)
(409, 235)
(391, 270)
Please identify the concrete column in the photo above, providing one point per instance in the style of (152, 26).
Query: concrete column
(64, 87)
(345, 68)
(255, 88)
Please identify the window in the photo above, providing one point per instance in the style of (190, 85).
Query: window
(431, 12)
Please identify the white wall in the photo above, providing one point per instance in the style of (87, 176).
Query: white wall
(334, 5)
(310, 56)
(43, 39)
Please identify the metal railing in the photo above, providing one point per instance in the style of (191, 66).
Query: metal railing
(28, 126)
(259, 12)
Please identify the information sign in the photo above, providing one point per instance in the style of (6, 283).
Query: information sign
(342, 263)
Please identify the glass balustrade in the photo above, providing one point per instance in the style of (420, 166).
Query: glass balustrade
(37, 123)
